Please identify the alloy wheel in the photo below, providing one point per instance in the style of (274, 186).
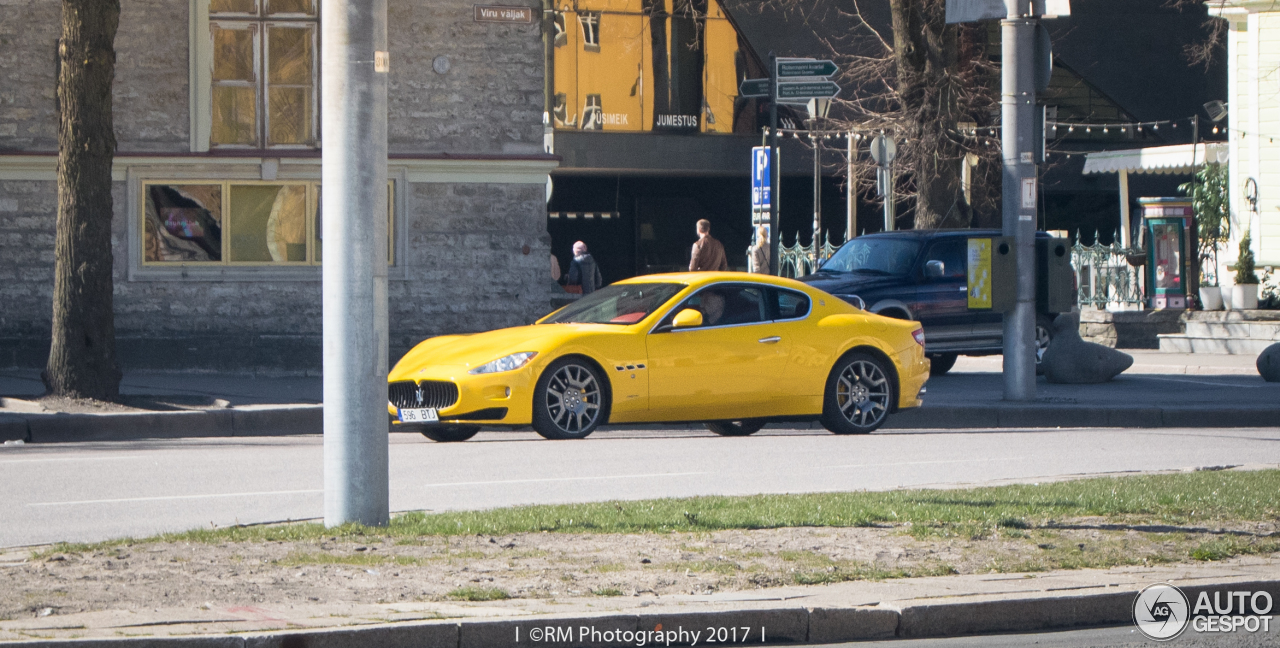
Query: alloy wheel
(573, 399)
(862, 393)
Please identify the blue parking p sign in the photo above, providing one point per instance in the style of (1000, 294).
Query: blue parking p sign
(761, 183)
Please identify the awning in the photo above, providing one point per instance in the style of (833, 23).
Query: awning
(1156, 159)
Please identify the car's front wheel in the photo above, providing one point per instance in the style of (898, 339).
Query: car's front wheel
(569, 401)
(736, 428)
(858, 396)
(450, 433)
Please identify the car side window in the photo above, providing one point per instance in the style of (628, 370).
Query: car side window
(791, 304)
(951, 252)
(723, 305)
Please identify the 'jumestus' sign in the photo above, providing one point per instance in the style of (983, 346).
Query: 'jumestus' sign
(496, 13)
(675, 122)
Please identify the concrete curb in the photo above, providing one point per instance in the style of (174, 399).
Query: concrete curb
(258, 420)
(781, 625)
(1016, 415)
(286, 420)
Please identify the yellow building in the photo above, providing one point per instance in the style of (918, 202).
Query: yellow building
(642, 65)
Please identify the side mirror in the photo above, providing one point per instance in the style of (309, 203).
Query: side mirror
(687, 318)
(934, 269)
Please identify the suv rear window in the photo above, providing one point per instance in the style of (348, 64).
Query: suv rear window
(875, 255)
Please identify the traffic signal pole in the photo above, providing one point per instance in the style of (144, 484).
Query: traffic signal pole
(353, 95)
(1017, 99)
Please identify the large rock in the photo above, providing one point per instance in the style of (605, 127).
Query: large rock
(1073, 361)
(1269, 363)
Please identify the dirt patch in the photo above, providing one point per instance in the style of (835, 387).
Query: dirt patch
(545, 565)
(122, 405)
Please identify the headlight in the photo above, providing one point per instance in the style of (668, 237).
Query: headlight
(506, 363)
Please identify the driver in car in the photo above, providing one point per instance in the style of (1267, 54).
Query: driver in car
(712, 307)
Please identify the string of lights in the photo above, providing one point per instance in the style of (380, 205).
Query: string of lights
(989, 135)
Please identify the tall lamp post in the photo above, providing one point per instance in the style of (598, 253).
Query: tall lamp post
(817, 110)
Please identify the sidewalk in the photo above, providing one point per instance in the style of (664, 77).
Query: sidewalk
(849, 611)
(1160, 390)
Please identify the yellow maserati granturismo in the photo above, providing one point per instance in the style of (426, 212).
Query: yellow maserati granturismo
(728, 349)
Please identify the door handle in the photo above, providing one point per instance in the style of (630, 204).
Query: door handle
(770, 340)
(963, 288)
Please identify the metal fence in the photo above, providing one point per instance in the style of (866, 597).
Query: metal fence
(798, 260)
(1105, 276)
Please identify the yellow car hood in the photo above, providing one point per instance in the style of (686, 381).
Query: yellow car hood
(477, 349)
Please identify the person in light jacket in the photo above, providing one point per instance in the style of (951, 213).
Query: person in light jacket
(760, 251)
(584, 274)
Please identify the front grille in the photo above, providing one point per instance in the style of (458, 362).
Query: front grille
(438, 394)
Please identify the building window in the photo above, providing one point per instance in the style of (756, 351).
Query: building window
(590, 21)
(593, 113)
(561, 37)
(265, 73)
(238, 223)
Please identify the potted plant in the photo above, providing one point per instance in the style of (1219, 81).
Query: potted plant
(1209, 200)
(1244, 295)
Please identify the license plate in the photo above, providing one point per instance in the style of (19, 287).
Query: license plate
(427, 415)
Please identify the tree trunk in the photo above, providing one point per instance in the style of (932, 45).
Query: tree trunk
(926, 57)
(82, 360)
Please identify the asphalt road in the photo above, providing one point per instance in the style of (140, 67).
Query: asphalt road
(1126, 636)
(97, 491)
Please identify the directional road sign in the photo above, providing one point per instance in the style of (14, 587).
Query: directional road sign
(754, 88)
(806, 68)
(808, 90)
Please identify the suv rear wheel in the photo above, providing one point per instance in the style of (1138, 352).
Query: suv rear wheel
(941, 363)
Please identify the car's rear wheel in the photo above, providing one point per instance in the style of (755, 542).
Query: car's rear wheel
(736, 428)
(941, 363)
(450, 433)
(858, 396)
(569, 401)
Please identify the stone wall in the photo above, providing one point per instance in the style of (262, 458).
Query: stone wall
(151, 95)
(29, 31)
(490, 98)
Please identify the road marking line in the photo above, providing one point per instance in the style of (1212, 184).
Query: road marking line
(552, 479)
(302, 492)
(922, 463)
(175, 497)
(17, 461)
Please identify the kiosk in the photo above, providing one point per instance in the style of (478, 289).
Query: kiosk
(1168, 224)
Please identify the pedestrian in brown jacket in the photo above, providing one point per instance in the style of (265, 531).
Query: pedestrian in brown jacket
(708, 253)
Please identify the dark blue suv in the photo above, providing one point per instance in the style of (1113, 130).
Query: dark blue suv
(921, 275)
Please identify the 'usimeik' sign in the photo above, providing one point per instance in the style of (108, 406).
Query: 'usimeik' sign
(493, 13)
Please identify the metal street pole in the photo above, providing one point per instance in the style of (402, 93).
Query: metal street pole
(817, 194)
(1017, 98)
(851, 210)
(775, 160)
(354, 230)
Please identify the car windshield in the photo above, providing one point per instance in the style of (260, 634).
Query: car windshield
(874, 255)
(617, 304)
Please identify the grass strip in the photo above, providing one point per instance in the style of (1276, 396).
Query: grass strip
(1198, 498)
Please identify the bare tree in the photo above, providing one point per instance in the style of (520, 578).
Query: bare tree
(921, 83)
(82, 360)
